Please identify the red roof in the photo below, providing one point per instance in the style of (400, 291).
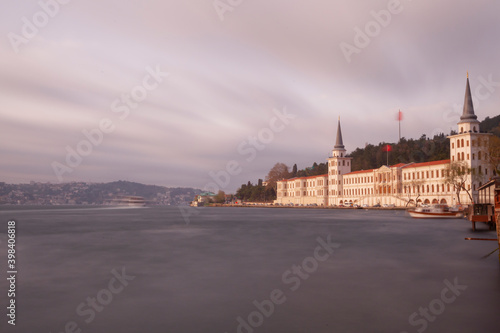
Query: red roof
(360, 171)
(308, 177)
(398, 165)
(416, 165)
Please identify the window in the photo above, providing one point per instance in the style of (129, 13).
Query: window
(453, 145)
(473, 156)
(462, 156)
(467, 156)
(461, 129)
(458, 143)
(462, 143)
(479, 155)
(467, 143)
(432, 174)
(427, 174)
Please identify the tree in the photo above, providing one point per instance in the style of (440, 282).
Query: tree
(220, 197)
(493, 156)
(457, 174)
(414, 185)
(294, 171)
(278, 172)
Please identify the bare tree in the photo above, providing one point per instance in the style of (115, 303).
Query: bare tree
(493, 156)
(220, 197)
(414, 185)
(457, 174)
(278, 172)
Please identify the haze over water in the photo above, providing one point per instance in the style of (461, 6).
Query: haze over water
(203, 275)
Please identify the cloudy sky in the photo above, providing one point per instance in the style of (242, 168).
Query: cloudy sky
(250, 83)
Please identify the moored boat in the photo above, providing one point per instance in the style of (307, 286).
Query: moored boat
(437, 211)
(129, 201)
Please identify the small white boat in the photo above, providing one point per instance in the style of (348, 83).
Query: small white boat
(435, 212)
(129, 201)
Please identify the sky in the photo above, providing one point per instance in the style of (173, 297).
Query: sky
(211, 94)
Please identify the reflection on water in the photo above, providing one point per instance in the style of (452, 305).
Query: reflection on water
(218, 273)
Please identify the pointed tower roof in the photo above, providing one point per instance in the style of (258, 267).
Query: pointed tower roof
(339, 144)
(468, 114)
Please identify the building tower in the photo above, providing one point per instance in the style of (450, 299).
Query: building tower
(471, 147)
(338, 165)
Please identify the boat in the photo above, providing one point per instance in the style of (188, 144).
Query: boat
(437, 211)
(129, 201)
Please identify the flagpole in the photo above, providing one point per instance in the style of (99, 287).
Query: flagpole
(399, 120)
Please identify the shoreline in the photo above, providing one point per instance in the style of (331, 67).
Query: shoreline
(305, 207)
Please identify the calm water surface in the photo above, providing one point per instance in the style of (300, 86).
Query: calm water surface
(221, 271)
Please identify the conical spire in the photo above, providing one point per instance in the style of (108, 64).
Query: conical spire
(468, 113)
(338, 143)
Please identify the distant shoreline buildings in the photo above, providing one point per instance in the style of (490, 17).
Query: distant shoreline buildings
(401, 184)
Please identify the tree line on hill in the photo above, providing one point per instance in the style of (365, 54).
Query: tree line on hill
(372, 156)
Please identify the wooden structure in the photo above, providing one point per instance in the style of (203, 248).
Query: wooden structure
(487, 207)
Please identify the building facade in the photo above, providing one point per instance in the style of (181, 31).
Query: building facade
(400, 184)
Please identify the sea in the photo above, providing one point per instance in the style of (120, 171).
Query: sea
(244, 270)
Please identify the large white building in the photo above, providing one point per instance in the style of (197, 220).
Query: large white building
(399, 184)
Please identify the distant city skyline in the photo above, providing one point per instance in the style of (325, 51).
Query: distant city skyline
(200, 92)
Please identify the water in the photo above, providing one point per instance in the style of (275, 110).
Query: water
(205, 276)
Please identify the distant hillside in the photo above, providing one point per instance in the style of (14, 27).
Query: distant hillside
(406, 151)
(91, 193)
(491, 125)
(411, 150)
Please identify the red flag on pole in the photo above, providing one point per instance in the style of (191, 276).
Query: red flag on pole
(387, 148)
(399, 117)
